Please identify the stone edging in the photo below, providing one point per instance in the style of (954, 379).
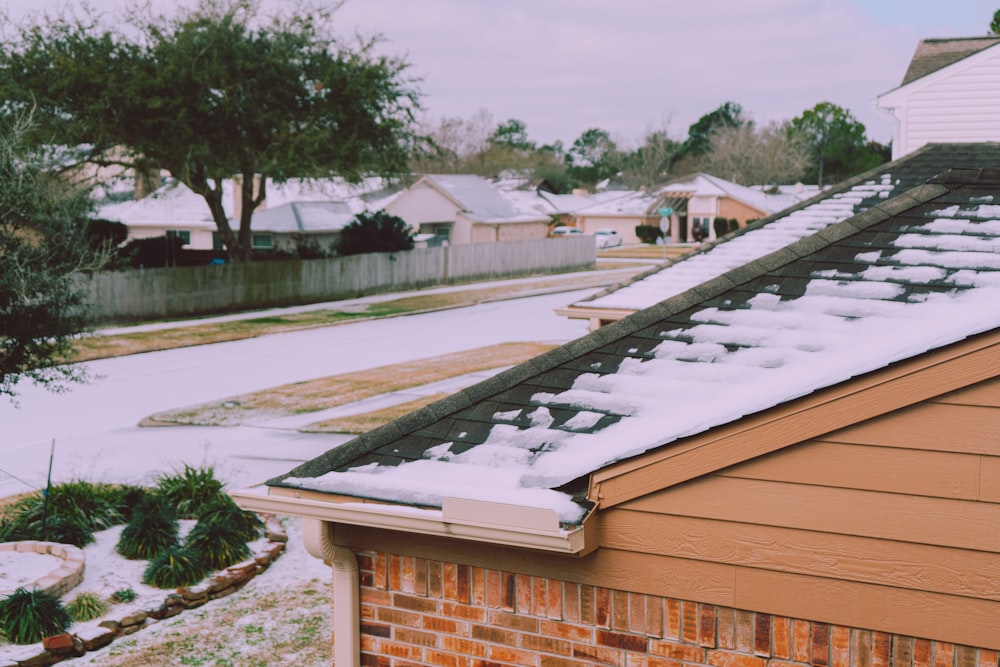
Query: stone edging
(64, 578)
(222, 583)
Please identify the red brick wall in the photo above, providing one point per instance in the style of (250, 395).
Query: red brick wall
(421, 612)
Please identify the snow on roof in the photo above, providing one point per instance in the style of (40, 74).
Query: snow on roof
(767, 235)
(309, 216)
(707, 185)
(621, 203)
(916, 273)
(173, 204)
(482, 201)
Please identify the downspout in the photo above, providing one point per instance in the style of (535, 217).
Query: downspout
(320, 542)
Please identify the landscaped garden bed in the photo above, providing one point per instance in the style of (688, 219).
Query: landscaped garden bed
(177, 546)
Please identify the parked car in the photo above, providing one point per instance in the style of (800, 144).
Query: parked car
(563, 231)
(607, 238)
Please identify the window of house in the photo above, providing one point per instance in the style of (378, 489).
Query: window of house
(217, 241)
(262, 241)
(183, 234)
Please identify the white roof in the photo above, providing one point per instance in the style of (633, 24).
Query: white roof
(482, 201)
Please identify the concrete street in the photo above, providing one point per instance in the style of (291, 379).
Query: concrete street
(94, 425)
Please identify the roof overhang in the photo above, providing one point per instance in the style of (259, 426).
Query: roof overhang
(471, 520)
(575, 312)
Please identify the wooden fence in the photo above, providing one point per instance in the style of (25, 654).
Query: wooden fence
(147, 294)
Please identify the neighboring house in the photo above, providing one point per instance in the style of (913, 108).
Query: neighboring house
(290, 225)
(461, 208)
(948, 94)
(694, 200)
(172, 210)
(848, 198)
(292, 212)
(797, 462)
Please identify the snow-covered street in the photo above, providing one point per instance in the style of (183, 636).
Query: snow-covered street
(94, 425)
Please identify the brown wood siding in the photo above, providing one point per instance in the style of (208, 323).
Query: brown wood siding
(861, 400)
(890, 523)
(730, 208)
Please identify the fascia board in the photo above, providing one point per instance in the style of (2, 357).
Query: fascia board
(413, 520)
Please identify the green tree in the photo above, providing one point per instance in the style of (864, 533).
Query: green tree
(995, 23)
(837, 142)
(592, 157)
(698, 142)
(512, 134)
(43, 244)
(375, 232)
(214, 93)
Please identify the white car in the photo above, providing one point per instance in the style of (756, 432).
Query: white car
(564, 230)
(607, 238)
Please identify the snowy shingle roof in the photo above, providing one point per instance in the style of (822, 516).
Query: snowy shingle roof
(769, 234)
(914, 273)
(482, 201)
(306, 217)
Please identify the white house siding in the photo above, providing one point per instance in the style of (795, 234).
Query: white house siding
(960, 103)
(624, 226)
(422, 204)
(201, 239)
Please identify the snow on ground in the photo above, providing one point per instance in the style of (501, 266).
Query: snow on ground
(94, 425)
(107, 572)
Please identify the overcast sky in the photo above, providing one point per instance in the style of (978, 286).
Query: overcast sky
(627, 66)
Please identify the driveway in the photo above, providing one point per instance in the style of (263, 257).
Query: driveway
(94, 425)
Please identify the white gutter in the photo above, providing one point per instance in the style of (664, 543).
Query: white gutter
(319, 541)
(477, 521)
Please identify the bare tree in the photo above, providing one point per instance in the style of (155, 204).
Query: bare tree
(652, 160)
(750, 155)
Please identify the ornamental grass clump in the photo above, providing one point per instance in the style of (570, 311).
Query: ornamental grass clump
(218, 545)
(174, 566)
(152, 529)
(87, 606)
(74, 511)
(27, 616)
(224, 511)
(190, 490)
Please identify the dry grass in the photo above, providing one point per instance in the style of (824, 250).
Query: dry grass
(645, 251)
(291, 626)
(100, 347)
(335, 390)
(362, 423)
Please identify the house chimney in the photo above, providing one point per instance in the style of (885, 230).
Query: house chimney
(580, 192)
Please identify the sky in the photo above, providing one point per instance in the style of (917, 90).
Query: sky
(632, 66)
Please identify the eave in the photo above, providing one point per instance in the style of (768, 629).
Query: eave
(602, 315)
(470, 520)
(894, 387)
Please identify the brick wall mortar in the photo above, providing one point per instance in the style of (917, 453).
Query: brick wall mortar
(437, 613)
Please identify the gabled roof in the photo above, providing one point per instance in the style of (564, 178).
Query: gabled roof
(936, 53)
(646, 202)
(172, 204)
(479, 199)
(833, 205)
(916, 273)
(304, 217)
